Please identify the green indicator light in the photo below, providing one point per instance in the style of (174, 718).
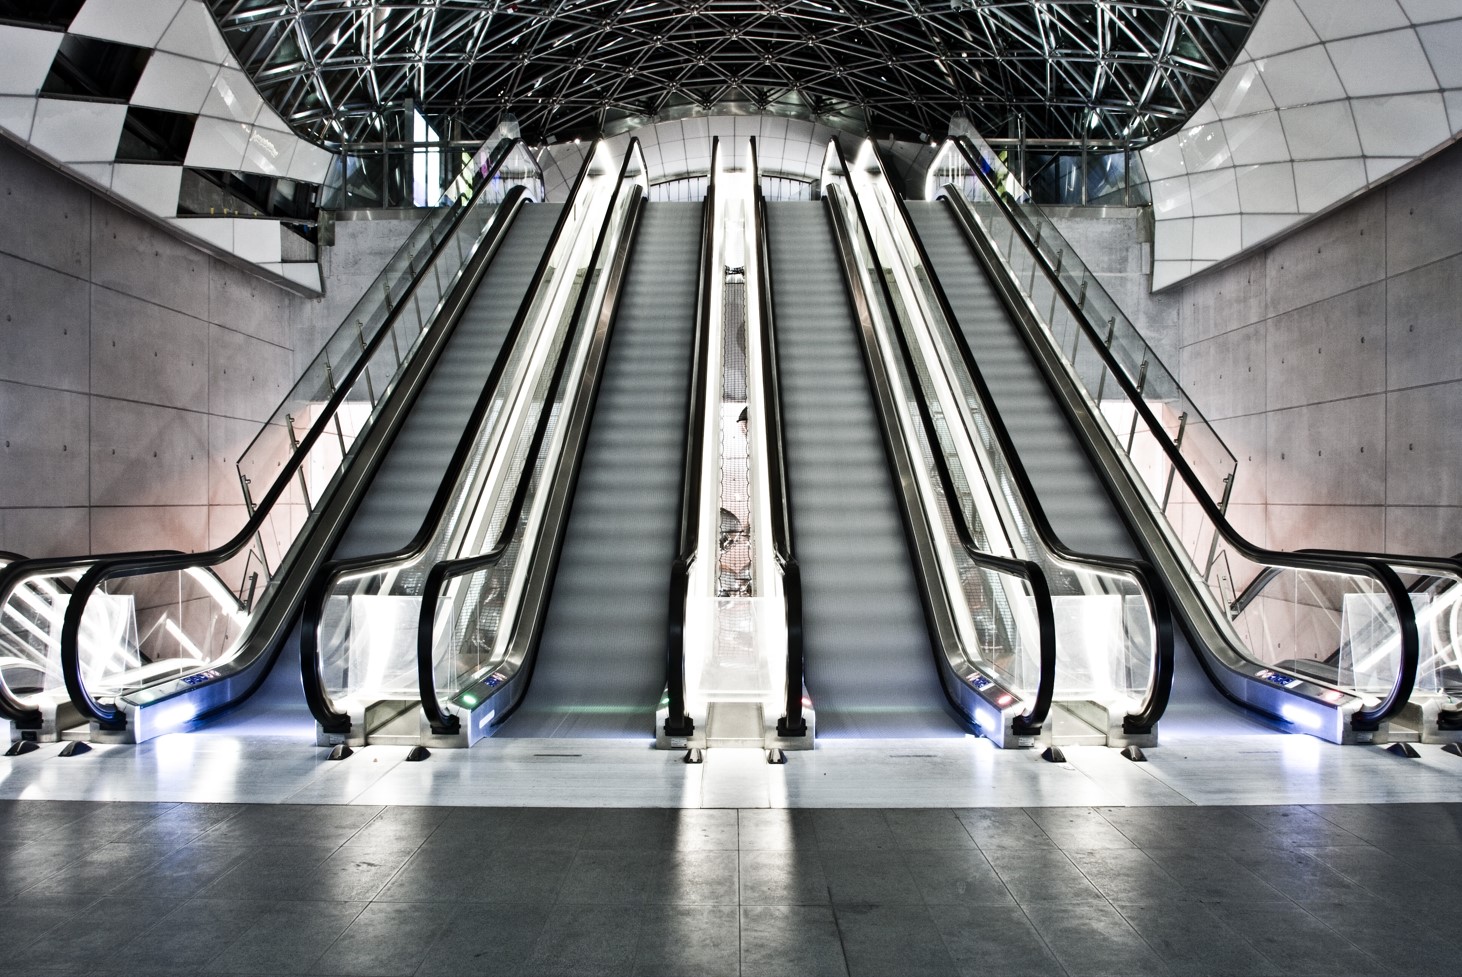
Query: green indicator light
(471, 700)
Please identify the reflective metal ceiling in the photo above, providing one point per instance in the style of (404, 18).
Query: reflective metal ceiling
(1105, 71)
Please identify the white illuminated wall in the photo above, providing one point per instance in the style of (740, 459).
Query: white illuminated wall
(190, 70)
(1327, 99)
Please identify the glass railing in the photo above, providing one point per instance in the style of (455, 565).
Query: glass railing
(1002, 606)
(194, 614)
(1313, 605)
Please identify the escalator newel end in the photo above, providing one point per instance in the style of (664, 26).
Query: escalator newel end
(22, 747)
(1403, 749)
(340, 752)
(776, 756)
(693, 755)
(1453, 748)
(417, 753)
(1134, 753)
(1053, 754)
(75, 748)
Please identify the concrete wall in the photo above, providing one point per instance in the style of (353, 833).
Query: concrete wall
(134, 367)
(1330, 362)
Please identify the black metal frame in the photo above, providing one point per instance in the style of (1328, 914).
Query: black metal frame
(1117, 73)
(1333, 561)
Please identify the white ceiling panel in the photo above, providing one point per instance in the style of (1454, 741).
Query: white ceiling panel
(1256, 139)
(1382, 64)
(25, 58)
(139, 22)
(174, 83)
(1397, 125)
(1346, 18)
(1322, 131)
(74, 131)
(1301, 77)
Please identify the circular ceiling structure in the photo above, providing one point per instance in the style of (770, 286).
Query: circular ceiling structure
(1101, 71)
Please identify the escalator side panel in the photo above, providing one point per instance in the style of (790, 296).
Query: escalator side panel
(869, 667)
(601, 660)
(402, 488)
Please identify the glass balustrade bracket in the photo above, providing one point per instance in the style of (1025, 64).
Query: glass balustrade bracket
(150, 642)
(1328, 643)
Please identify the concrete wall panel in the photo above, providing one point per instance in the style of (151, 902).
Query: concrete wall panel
(54, 531)
(147, 353)
(1292, 527)
(43, 437)
(129, 255)
(249, 305)
(44, 324)
(144, 455)
(1329, 454)
(46, 217)
(122, 529)
(1424, 216)
(1424, 324)
(1421, 435)
(1328, 258)
(1330, 350)
(1435, 530)
(247, 377)
(1235, 297)
(1227, 373)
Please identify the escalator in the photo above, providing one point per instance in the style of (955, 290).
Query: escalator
(601, 661)
(1323, 642)
(866, 645)
(151, 642)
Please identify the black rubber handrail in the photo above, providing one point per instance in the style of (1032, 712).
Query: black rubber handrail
(1030, 722)
(1352, 564)
(137, 564)
(792, 721)
(678, 721)
(1160, 685)
(331, 720)
(443, 572)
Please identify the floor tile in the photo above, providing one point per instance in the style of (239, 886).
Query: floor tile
(1094, 939)
(994, 941)
(870, 878)
(790, 941)
(892, 940)
(781, 878)
(678, 940)
(586, 940)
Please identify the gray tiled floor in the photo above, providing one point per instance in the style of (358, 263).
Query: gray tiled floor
(133, 888)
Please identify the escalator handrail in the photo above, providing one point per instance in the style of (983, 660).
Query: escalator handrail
(678, 721)
(792, 722)
(1331, 562)
(1160, 687)
(312, 611)
(444, 571)
(1031, 721)
(162, 561)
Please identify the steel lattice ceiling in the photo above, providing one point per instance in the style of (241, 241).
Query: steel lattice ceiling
(1106, 71)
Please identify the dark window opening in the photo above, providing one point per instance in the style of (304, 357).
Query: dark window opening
(40, 13)
(86, 67)
(155, 136)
